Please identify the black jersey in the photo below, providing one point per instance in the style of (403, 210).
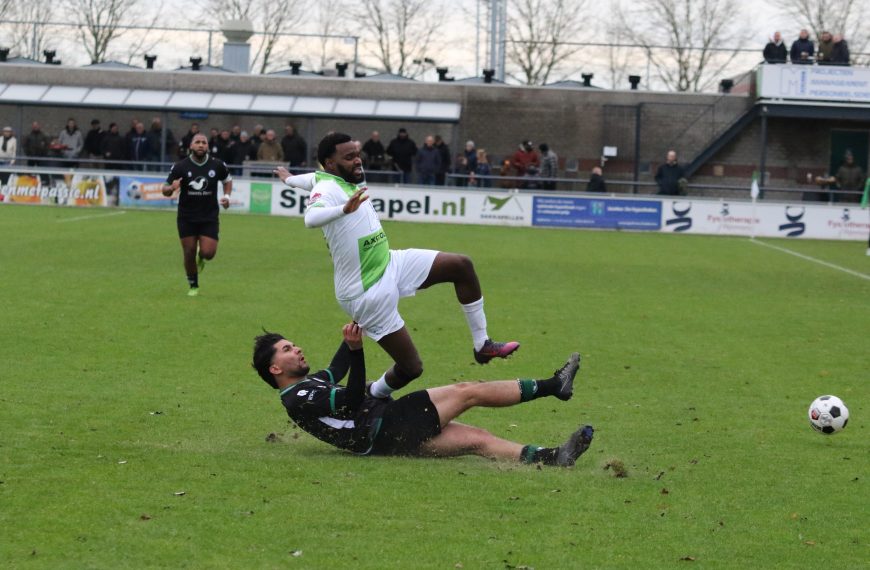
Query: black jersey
(198, 200)
(341, 416)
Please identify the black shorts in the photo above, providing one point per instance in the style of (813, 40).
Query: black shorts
(407, 424)
(207, 228)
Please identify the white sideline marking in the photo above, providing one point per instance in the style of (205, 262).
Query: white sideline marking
(813, 259)
(92, 216)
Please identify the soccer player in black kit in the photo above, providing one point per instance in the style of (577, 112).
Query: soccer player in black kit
(420, 423)
(196, 180)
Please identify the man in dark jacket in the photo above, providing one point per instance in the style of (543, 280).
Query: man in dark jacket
(669, 176)
(184, 144)
(596, 181)
(138, 151)
(444, 152)
(112, 148)
(840, 51)
(294, 146)
(803, 48)
(428, 163)
(36, 144)
(774, 51)
(403, 150)
(94, 141)
(242, 151)
(155, 141)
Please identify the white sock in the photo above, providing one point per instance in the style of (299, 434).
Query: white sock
(476, 322)
(380, 389)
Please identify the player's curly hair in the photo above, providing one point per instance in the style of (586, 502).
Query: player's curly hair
(264, 352)
(326, 148)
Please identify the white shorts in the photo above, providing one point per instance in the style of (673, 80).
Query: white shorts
(377, 310)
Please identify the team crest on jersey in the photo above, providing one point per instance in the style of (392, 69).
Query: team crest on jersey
(211, 173)
(200, 183)
(314, 197)
(189, 174)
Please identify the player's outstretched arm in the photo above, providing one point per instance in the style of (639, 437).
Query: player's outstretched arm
(355, 393)
(301, 181)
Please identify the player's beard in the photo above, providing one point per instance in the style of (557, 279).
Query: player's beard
(199, 156)
(301, 371)
(349, 176)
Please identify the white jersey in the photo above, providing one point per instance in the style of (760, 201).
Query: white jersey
(357, 242)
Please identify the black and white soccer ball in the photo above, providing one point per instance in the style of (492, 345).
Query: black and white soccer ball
(828, 414)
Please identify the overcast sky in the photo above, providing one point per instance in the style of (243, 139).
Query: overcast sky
(457, 29)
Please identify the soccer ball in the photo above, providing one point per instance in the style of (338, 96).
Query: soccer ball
(828, 414)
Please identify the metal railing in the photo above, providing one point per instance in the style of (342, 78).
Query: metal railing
(58, 166)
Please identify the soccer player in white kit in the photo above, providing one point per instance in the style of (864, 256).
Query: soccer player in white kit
(370, 278)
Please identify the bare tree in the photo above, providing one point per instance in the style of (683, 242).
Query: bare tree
(29, 39)
(100, 22)
(847, 17)
(619, 59)
(402, 31)
(689, 42)
(537, 34)
(327, 24)
(270, 18)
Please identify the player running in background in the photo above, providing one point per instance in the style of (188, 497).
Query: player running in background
(195, 179)
(370, 277)
(420, 423)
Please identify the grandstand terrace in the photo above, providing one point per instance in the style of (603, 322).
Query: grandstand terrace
(723, 138)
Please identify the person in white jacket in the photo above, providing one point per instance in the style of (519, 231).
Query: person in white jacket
(8, 147)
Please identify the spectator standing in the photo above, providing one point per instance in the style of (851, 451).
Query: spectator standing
(184, 144)
(826, 47)
(270, 150)
(525, 162)
(444, 168)
(374, 156)
(374, 152)
(596, 181)
(213, 137)
(670, 176)
(138, 151)
(549, 167)
(72, 141)
(94, 141)
(467, 163)
(775, 51)
(840, 51)
(223, 147)
(128, 138)
(482, 168)
(36, 145)
(8, 148)
(428, 162)
(244, 150)
(849, 177)
(113, 148)
(155, 142)
(403, 150)
(236, 133)
(803, 49)
(294, 147)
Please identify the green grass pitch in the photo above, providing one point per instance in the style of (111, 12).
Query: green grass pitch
(118, 393)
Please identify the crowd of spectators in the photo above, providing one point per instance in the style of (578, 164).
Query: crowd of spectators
(833, 49)
(150, 148)
(154, 147)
